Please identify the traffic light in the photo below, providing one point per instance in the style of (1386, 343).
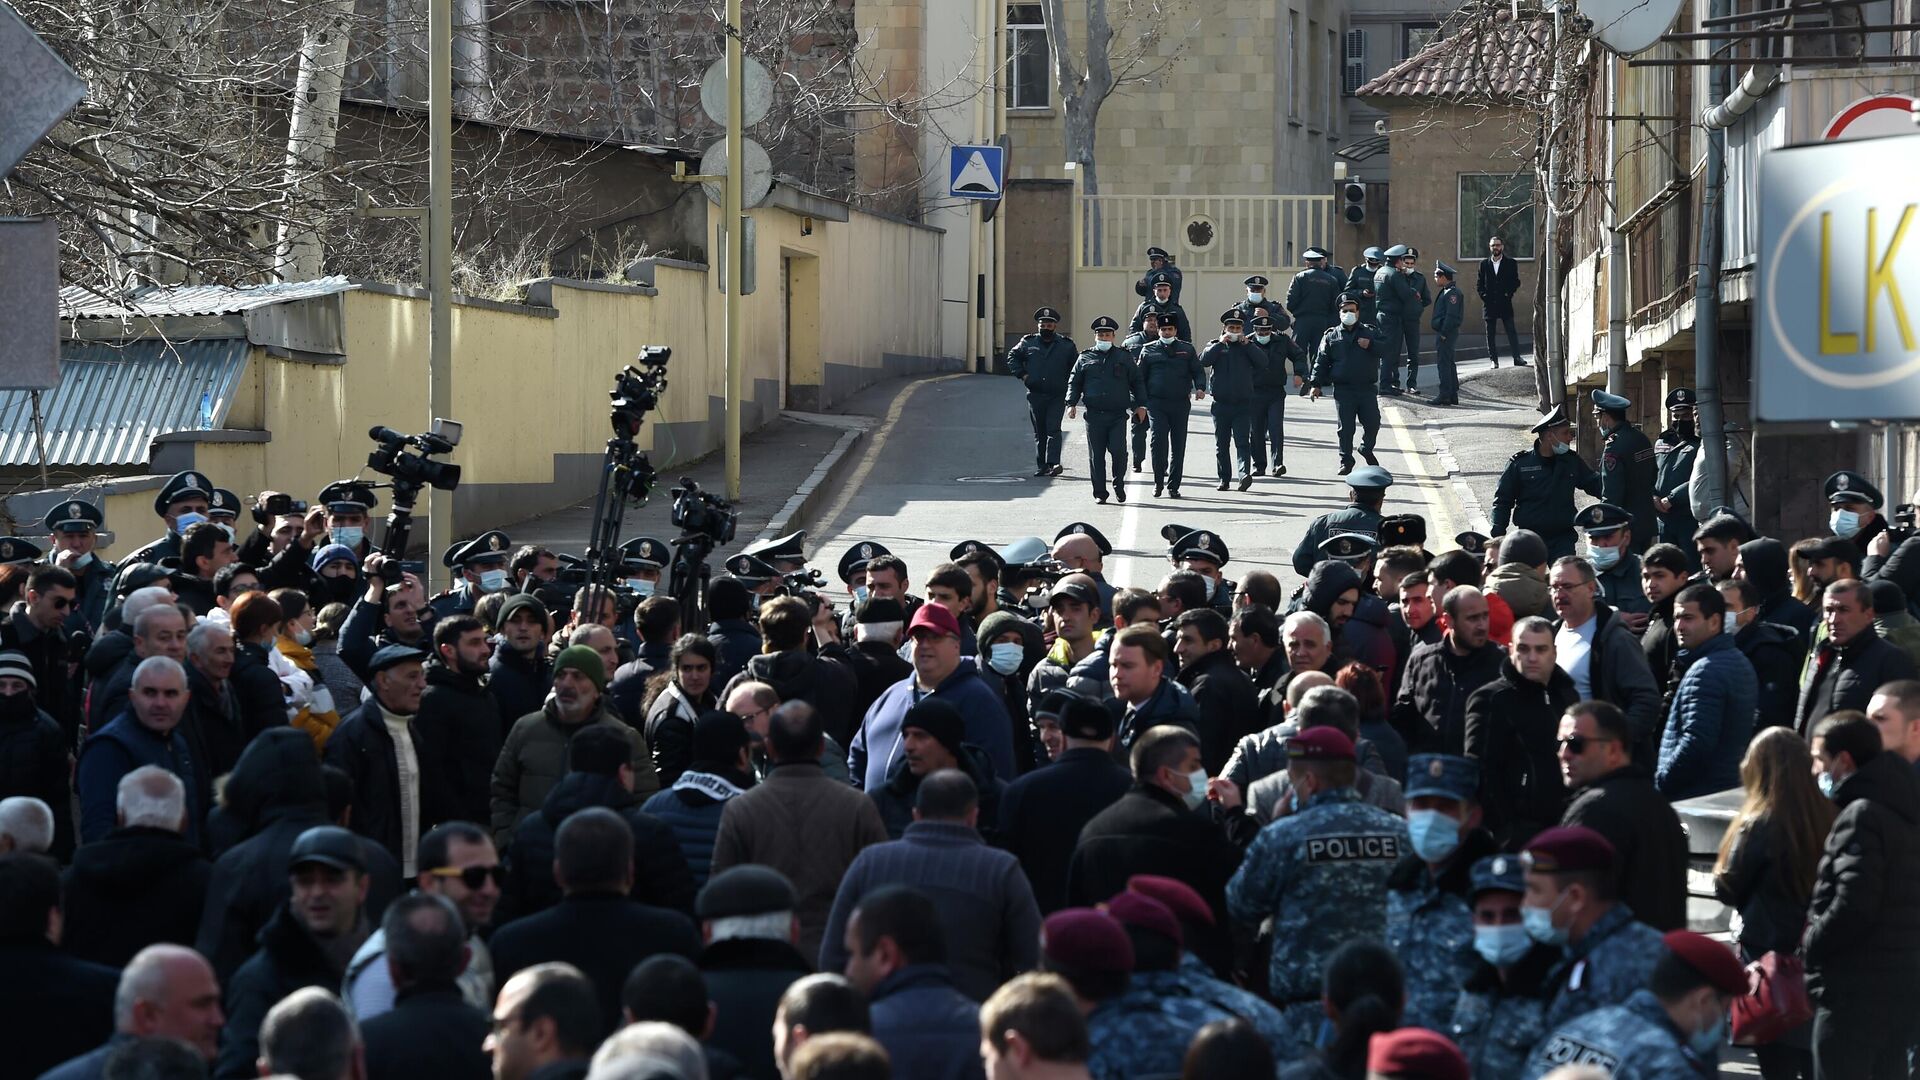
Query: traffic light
(1353, 202)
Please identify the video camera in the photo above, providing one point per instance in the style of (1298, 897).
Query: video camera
(697, 511)
(1903, 525)
(411, 472)
(626, 476)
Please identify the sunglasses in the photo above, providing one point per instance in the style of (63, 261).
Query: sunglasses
(1577, 744)
(60, 603)
(473, 877)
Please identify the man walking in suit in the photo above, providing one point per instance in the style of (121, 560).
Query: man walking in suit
(1498, 280)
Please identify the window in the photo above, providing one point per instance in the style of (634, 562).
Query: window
(1295, 82)
(1330, 82)
(1417, 36)
(1355, 54)
(1029, 61)
(1496, 204)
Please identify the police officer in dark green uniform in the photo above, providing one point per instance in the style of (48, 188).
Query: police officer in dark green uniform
(1626, 465)
(1161, 303)
(1361, 280)
(184, 493)
(1449, 310)
(1394, 302)
(1106, 380)
(1041, 361)
(1135, 343)
(1258, 303)
(1609, 530)
(1170, 377)
(1314, 300)
(1368, 486)
(1536, 490)
(480, 567)
(1673, 457)
(1286, 369)
(1159, 262)
(72, 527)
(1348, 359)
(1232, 364)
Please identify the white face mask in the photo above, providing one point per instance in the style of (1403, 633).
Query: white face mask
(1844, 523)
(1169, 334)
(1263, 338)
(1254, 297)
(1196, 789)
(1230, 335)
(82, 561)
(1103, 346)
(1348, 318)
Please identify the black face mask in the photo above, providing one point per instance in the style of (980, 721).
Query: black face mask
(17, 707)
(1683, 428)
(339, 590)
(1046, 335)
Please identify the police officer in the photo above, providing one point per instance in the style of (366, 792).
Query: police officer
(1536, 490)
(72, 530)
(1360, 281)
(1163, 306)
(1348, 359)
(1160, 263)
(1626, 465)
(349, 505)
(1854, 508)
(1501, 1012)
(1041, 361)
(1314, 299)
(787, 554)
(1257, 303)
(1286, 369)
(1671, 1027)
(1109, 383)
(1448, 312)
(184, 494)
(1233, 363)
(1572, 902)
(1397, 308)
(1616, 568)
(223, 508)
(1130, 1031)
(1135, 344)
(1320, 873)
(1203, 553)
(1473, 543)
(641, 561)
(480, 566)
(1367, 492)
(1673, 458)
(1170, 377)
(1429, 920)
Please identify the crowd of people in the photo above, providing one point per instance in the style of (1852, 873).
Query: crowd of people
(266, 808)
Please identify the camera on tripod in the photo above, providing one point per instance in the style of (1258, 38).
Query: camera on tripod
(392, 458)
(636, 392)
(697, 511)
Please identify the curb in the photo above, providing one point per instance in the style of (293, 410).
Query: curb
(810, 497)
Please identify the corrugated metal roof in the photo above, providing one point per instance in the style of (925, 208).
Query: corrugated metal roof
(1484, 61)
(159, 300)
(113, 399)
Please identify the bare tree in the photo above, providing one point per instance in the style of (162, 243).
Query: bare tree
(1109, 60)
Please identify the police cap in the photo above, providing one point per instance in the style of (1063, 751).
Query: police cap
(1444, 776)
(1369, 476)
(1160, 279)
(1682, 397)
(858, 556)
(1601, 519)
(644, 551)
(1255, 281)
(788, 548)
(747, 568)
(1413, 1051)
(1610, 402)
(1320, 744)
(74, 516)
(1471, 542)
(1200, 544)
(181, 485)
(1349, 547)
(1372, 253)
(1081, 527)
(1557, 418)
(1313, 253)
(1263, 321)
(1082, 941)
(1409, 530)
(1143, 912)
(1156, 253)
(967, 547)
(393, 655)
(1714, 961)
(348, 497)
(1105, 322)
(223, 506)
(1398, 251)
(1179, 897)
(16, 549)
(489, 547)
(1232, 317)
(1024, 551)
(1845, 486)
(746, 890)
(1083, 718)
(328, 845)
(1568, 848)
(1501, 873)
(1046, 314)
(1442, 268)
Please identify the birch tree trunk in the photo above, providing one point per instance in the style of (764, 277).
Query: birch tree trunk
(301, 251)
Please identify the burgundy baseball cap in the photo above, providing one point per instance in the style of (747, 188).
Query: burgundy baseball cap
(933, 617)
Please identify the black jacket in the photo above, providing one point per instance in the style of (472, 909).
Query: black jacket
(1863, 926)
(1777, 653)
(627, 686)
(52, 1006)
(274, 794)
(1431, 711)
(1496, 290)
(745, 979)
(603, 934)
(430, 1031)
(1148, 831)
(1513, 730)
(895, 798)
(660, 874)
(363, 747)
(1229, 706)
(289, 958)
(1755, 883)
(1647, 836)
(1660, 645)
(1043, 812)
(1845, 677)
(875, 666)
(821, 682)
(33, 761)
(212, 726)
(462, 722)
(518, 683)
(262, 698)
(738, 641)
(136, 887)
(1042, 363)
(47, 652)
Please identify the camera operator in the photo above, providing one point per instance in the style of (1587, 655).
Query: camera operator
(281, 547)
(737, 638)
(1894, 555)
(392, 611)
(481, 567)
(533, 567)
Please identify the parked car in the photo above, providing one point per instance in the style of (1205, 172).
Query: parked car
(1705, 819)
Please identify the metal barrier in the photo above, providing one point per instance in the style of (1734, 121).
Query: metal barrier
(1224, 232)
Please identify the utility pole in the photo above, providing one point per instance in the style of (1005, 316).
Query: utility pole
(439, 262)
(735, 236)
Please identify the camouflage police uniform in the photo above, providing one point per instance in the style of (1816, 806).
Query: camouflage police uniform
(1605, 967)
(1633, 1041)
(1429, 921)
(1195, 980)
(1320, 875)
(1347, 519)
(1143, 1034)
(1501, 1012)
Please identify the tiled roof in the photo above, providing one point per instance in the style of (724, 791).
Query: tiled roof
(1486, 61)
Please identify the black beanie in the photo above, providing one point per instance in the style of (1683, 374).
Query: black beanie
(940, 720)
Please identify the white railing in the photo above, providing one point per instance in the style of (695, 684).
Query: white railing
(1222, 232)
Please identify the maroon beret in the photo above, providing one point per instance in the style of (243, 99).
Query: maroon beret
(1567, 848)
(1085, 941)
(1416, 1053)
(1179, 896)
(1714, 962)
(1321, 744)
(1143, 912)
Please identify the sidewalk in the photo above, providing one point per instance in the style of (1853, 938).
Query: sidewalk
(1471, 441)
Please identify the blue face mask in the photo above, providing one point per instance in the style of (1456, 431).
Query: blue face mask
(1501, 946)
(1539, 924)
(493, 580)
(1434, 834)
(1843, 522)
(1707, 1043)
(350, 535)
(1603, 558)
(1828, 785)
(1005, 657)
(860, 594)
(641, 587)
(1562, 448)
(187, 521)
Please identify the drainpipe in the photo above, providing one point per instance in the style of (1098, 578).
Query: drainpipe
(1616, 249)
(1553, 360)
